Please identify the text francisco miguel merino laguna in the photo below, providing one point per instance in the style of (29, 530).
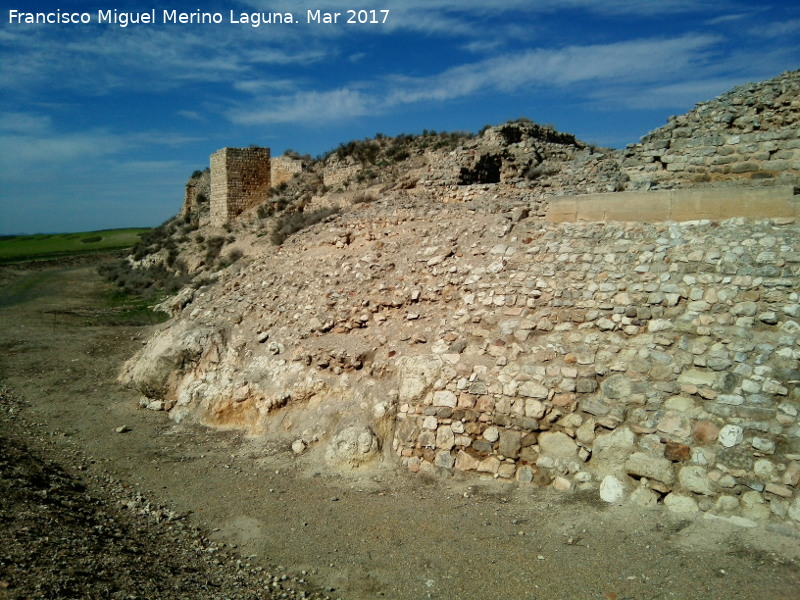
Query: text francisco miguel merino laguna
(254, 19)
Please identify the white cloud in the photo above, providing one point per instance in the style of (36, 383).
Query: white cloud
(606, 66)
(95, 59)
(778, 29)
(305, 107)
(192, 115)
(23, 123)
(664, 96)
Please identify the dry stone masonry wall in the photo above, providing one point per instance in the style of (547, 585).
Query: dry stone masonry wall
(284, 168)
(657, 361)
(749, 134)
(240, 179)
(198, 193)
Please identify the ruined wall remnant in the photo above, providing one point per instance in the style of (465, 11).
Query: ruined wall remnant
(749, 133)
(198, 193)
(240, 179)
(284, 168)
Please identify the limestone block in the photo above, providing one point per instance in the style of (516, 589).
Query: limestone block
(652, 467)
(558, 445)
(695, 479)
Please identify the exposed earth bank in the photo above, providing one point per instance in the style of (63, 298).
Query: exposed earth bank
(66, 425)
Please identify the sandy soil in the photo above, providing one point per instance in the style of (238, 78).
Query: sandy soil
(383, 534)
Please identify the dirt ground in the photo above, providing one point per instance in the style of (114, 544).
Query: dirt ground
(383, 534)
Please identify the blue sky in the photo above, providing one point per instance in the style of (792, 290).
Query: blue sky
(101, 125)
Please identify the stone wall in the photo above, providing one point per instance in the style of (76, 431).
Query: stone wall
(284, 168)
(198, 192)
(240, 179)
(750, 133)
(658, 361)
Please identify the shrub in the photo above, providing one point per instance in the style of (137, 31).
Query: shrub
(290, 223)
(214, 245)
(364, 198)
(541, 170)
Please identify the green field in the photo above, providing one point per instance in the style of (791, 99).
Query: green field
(19, 248)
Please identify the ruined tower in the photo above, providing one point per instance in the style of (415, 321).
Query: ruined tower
(240, 178)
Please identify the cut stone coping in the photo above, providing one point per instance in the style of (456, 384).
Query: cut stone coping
(778, 201)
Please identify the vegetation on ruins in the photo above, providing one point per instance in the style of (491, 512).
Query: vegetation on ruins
(292, 222)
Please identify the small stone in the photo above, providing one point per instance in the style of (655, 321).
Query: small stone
(644, 497)
(535, 409)
(779, 490)
(444, 459)
(466, 462)
(562, 484)
(726, 504)
(768, 318)
(122, 429)
(677, 452)
(730, 399)
(617, 387)
(744, 309)
(678, 503)
(705, 432)
(697, 377)
(492, 434)
(298, 446)
(731, 435)
(525, 474)
(612, 490)
(510, 443)
(675, 425)
(532, 389)
(753, 506)
(491, 464)
(794, 510)
(445, 438)
(764, 445)
(695, 479)
(445, 398)
(558, 445)
(652, 467)
(792, 474)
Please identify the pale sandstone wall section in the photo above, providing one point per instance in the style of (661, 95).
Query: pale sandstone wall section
(284, 168)
(678, 205)
(240, 179)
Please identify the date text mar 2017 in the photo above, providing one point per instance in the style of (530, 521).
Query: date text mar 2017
(349, 16)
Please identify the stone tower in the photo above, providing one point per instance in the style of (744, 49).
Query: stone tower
(240, 178)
